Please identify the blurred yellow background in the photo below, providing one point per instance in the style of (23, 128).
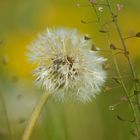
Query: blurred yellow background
(20, 22)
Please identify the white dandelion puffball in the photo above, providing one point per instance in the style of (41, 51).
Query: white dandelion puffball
(66, 65)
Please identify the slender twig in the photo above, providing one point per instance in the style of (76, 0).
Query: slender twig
(125, 48)
(125, 38)
(100, 4)
(6, 116)
(118, 71)
(127, 93)
(34, 117)
(85, 5)
(97, 15)
(130, 121)
(130, 64)
(108, 22)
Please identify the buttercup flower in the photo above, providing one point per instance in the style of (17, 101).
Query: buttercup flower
(66, 65)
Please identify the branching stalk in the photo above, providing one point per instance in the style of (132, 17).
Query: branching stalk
(127, 94)
(125, 49)
(117, 67)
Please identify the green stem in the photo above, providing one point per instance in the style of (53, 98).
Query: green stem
(97, 15)
(34, 117)
(6, 115)
(131, 68)
(125, 49)
(116, 64)
(127, 94)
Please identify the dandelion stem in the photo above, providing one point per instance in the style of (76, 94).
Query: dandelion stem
(125, 48)
(34, 117)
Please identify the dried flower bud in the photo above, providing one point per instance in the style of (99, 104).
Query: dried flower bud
(114, 16)
(83, 21)
(117, 80)
(113, 47)
(120, 118)
(106, 66)
(103, 31)
(138, 34)
(94, 48)
(136, 92)
(87, 38)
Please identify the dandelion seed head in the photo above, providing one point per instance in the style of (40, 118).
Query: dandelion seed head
(66, 66)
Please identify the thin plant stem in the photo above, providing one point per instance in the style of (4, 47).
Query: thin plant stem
(6, 116)
(127, 94)
(125, 49)
(125, 38)
(34, 117)
(118, 71)
(97, 15)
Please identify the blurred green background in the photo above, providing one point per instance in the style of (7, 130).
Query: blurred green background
(20, 22)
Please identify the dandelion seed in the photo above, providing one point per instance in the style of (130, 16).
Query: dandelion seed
(66, 66)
